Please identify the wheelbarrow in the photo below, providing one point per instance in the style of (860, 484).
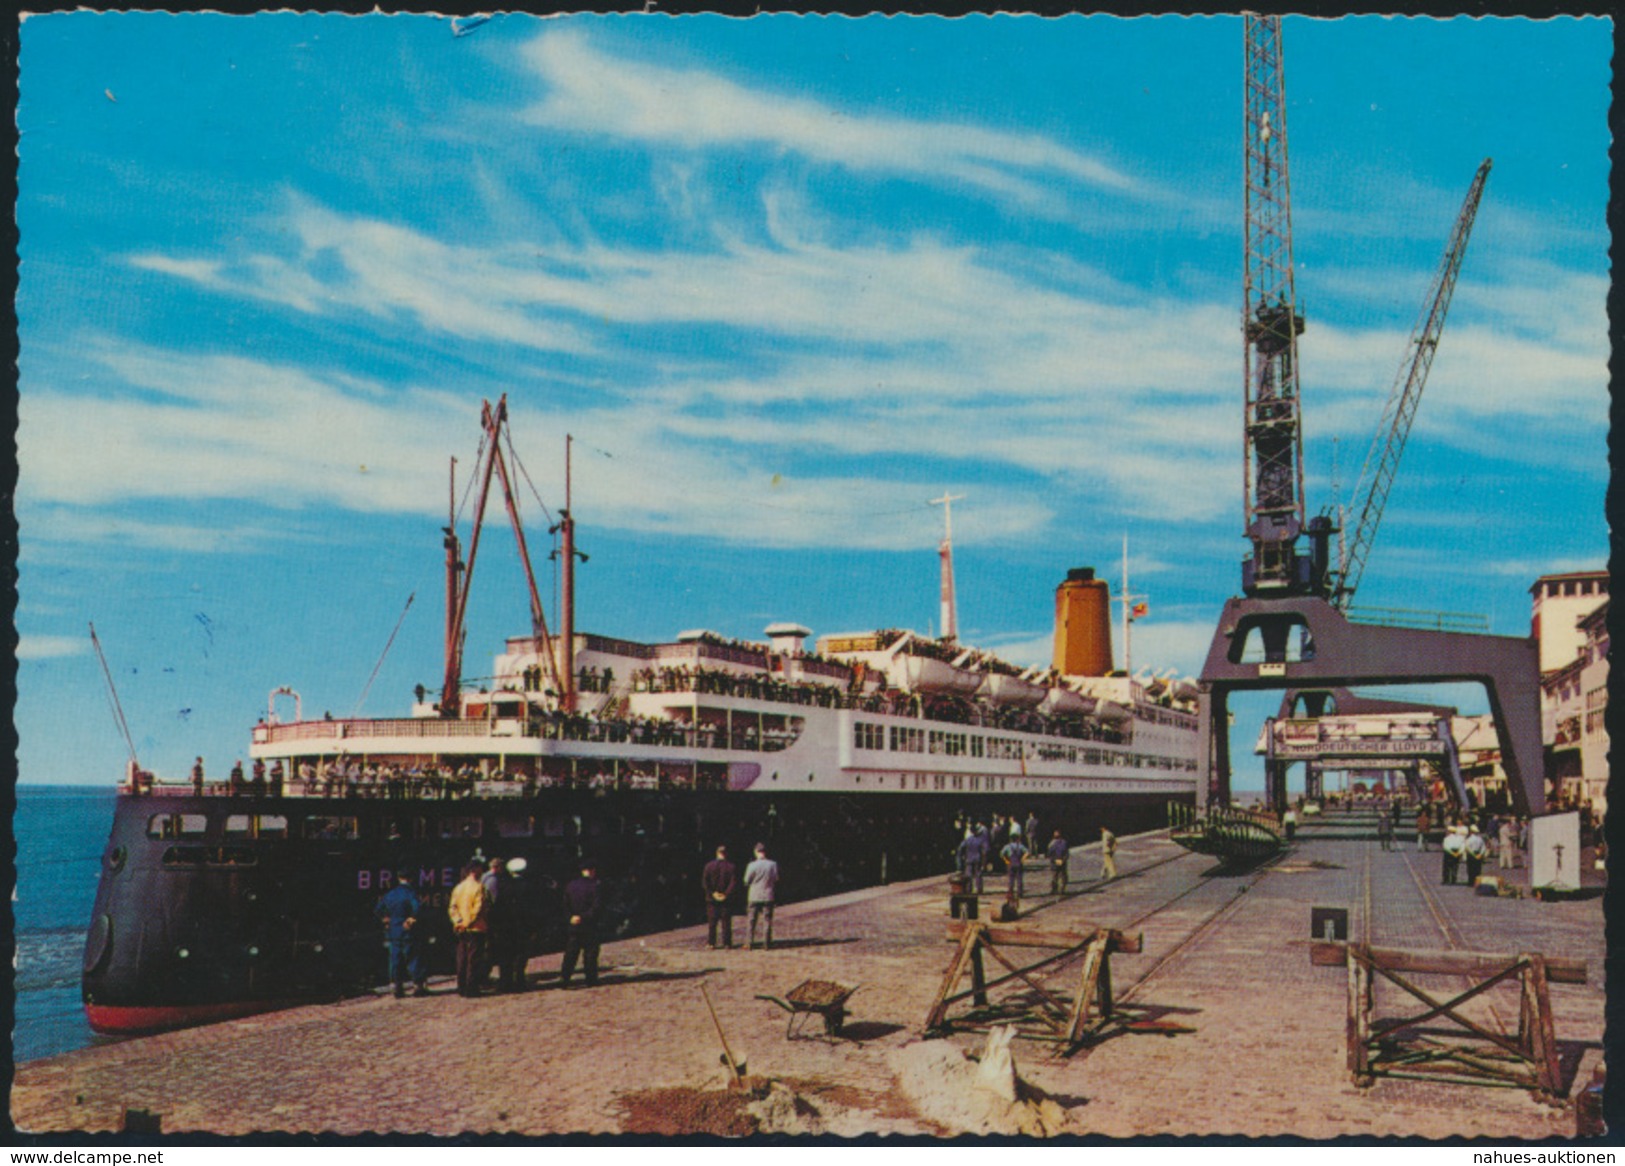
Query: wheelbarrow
(814, 998)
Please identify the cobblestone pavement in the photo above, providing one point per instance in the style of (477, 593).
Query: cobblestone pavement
(1226, 956)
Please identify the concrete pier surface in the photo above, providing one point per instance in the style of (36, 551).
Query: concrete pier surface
(1258, 1048)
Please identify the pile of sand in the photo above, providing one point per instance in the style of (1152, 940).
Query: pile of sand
(949, 1088)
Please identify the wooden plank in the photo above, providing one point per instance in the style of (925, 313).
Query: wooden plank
(1548, 1070)
(1044, 993)
(1559, 969)
(1087, 982)
(956, 969)
(1358, 1053)
(1016, 935)
(1448, 1007)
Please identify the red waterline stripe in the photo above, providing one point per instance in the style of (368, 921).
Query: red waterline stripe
(113, 1019)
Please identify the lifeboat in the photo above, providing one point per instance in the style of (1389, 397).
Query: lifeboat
(1114, 713)
(924, 674)
(1012, 691)
(1065, 702)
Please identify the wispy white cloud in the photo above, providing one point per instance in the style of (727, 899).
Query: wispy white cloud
(591, 91)
(35, 647)
(50, 525)
(212, 426)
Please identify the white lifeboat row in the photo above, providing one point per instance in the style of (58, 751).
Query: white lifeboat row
(928, 674)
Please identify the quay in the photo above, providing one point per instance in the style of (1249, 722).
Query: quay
(1251, 1039)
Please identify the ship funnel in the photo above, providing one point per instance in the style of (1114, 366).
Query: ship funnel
(1083, 625)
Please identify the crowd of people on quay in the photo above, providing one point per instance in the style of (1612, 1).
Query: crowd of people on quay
(497, 917)
(1466, 839)
(1010, 841)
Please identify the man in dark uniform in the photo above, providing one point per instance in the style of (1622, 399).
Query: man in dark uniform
(581, 906)
(516, 919)
(399, 910)
(719, 880)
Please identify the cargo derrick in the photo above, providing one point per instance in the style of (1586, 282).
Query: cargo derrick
(1305, 642)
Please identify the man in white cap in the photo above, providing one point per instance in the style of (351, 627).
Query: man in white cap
(517, 918)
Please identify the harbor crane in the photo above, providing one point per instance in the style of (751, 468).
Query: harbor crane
(1288, 630)
(1388, 444)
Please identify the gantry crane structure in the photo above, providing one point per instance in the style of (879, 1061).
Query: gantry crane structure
(1305, 643)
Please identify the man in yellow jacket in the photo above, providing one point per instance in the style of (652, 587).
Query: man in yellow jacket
(470, 910)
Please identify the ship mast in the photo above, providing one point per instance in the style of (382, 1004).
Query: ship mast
(450, 685)
(493, 421)
(950, 609)
(1132, 610)
(567, 537)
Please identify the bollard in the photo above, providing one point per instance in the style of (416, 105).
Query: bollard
(1328, 924)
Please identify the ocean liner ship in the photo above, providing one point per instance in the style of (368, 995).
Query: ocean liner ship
(857, 763)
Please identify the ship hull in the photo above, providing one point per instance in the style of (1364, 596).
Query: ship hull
(206, 923)
(1235, 840)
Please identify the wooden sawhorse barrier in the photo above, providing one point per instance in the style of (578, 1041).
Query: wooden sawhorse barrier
(1393, 1046)
(1045, 1015)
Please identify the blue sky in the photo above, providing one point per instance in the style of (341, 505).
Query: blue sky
(785, 280)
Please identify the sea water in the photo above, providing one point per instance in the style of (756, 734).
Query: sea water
(60, 832)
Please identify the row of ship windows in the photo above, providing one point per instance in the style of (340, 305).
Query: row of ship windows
(902, 739)
(345, 827)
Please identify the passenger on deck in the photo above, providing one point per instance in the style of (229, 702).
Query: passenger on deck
(719, 880)
(1506, 844)
(1424, 822)
(197, 776)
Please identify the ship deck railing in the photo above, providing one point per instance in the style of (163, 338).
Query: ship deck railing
(556, 727)
(663, 732)
(423, 787)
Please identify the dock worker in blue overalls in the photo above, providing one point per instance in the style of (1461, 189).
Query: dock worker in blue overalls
(399, 910)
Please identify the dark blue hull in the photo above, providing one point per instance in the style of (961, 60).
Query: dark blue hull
(211, 906)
